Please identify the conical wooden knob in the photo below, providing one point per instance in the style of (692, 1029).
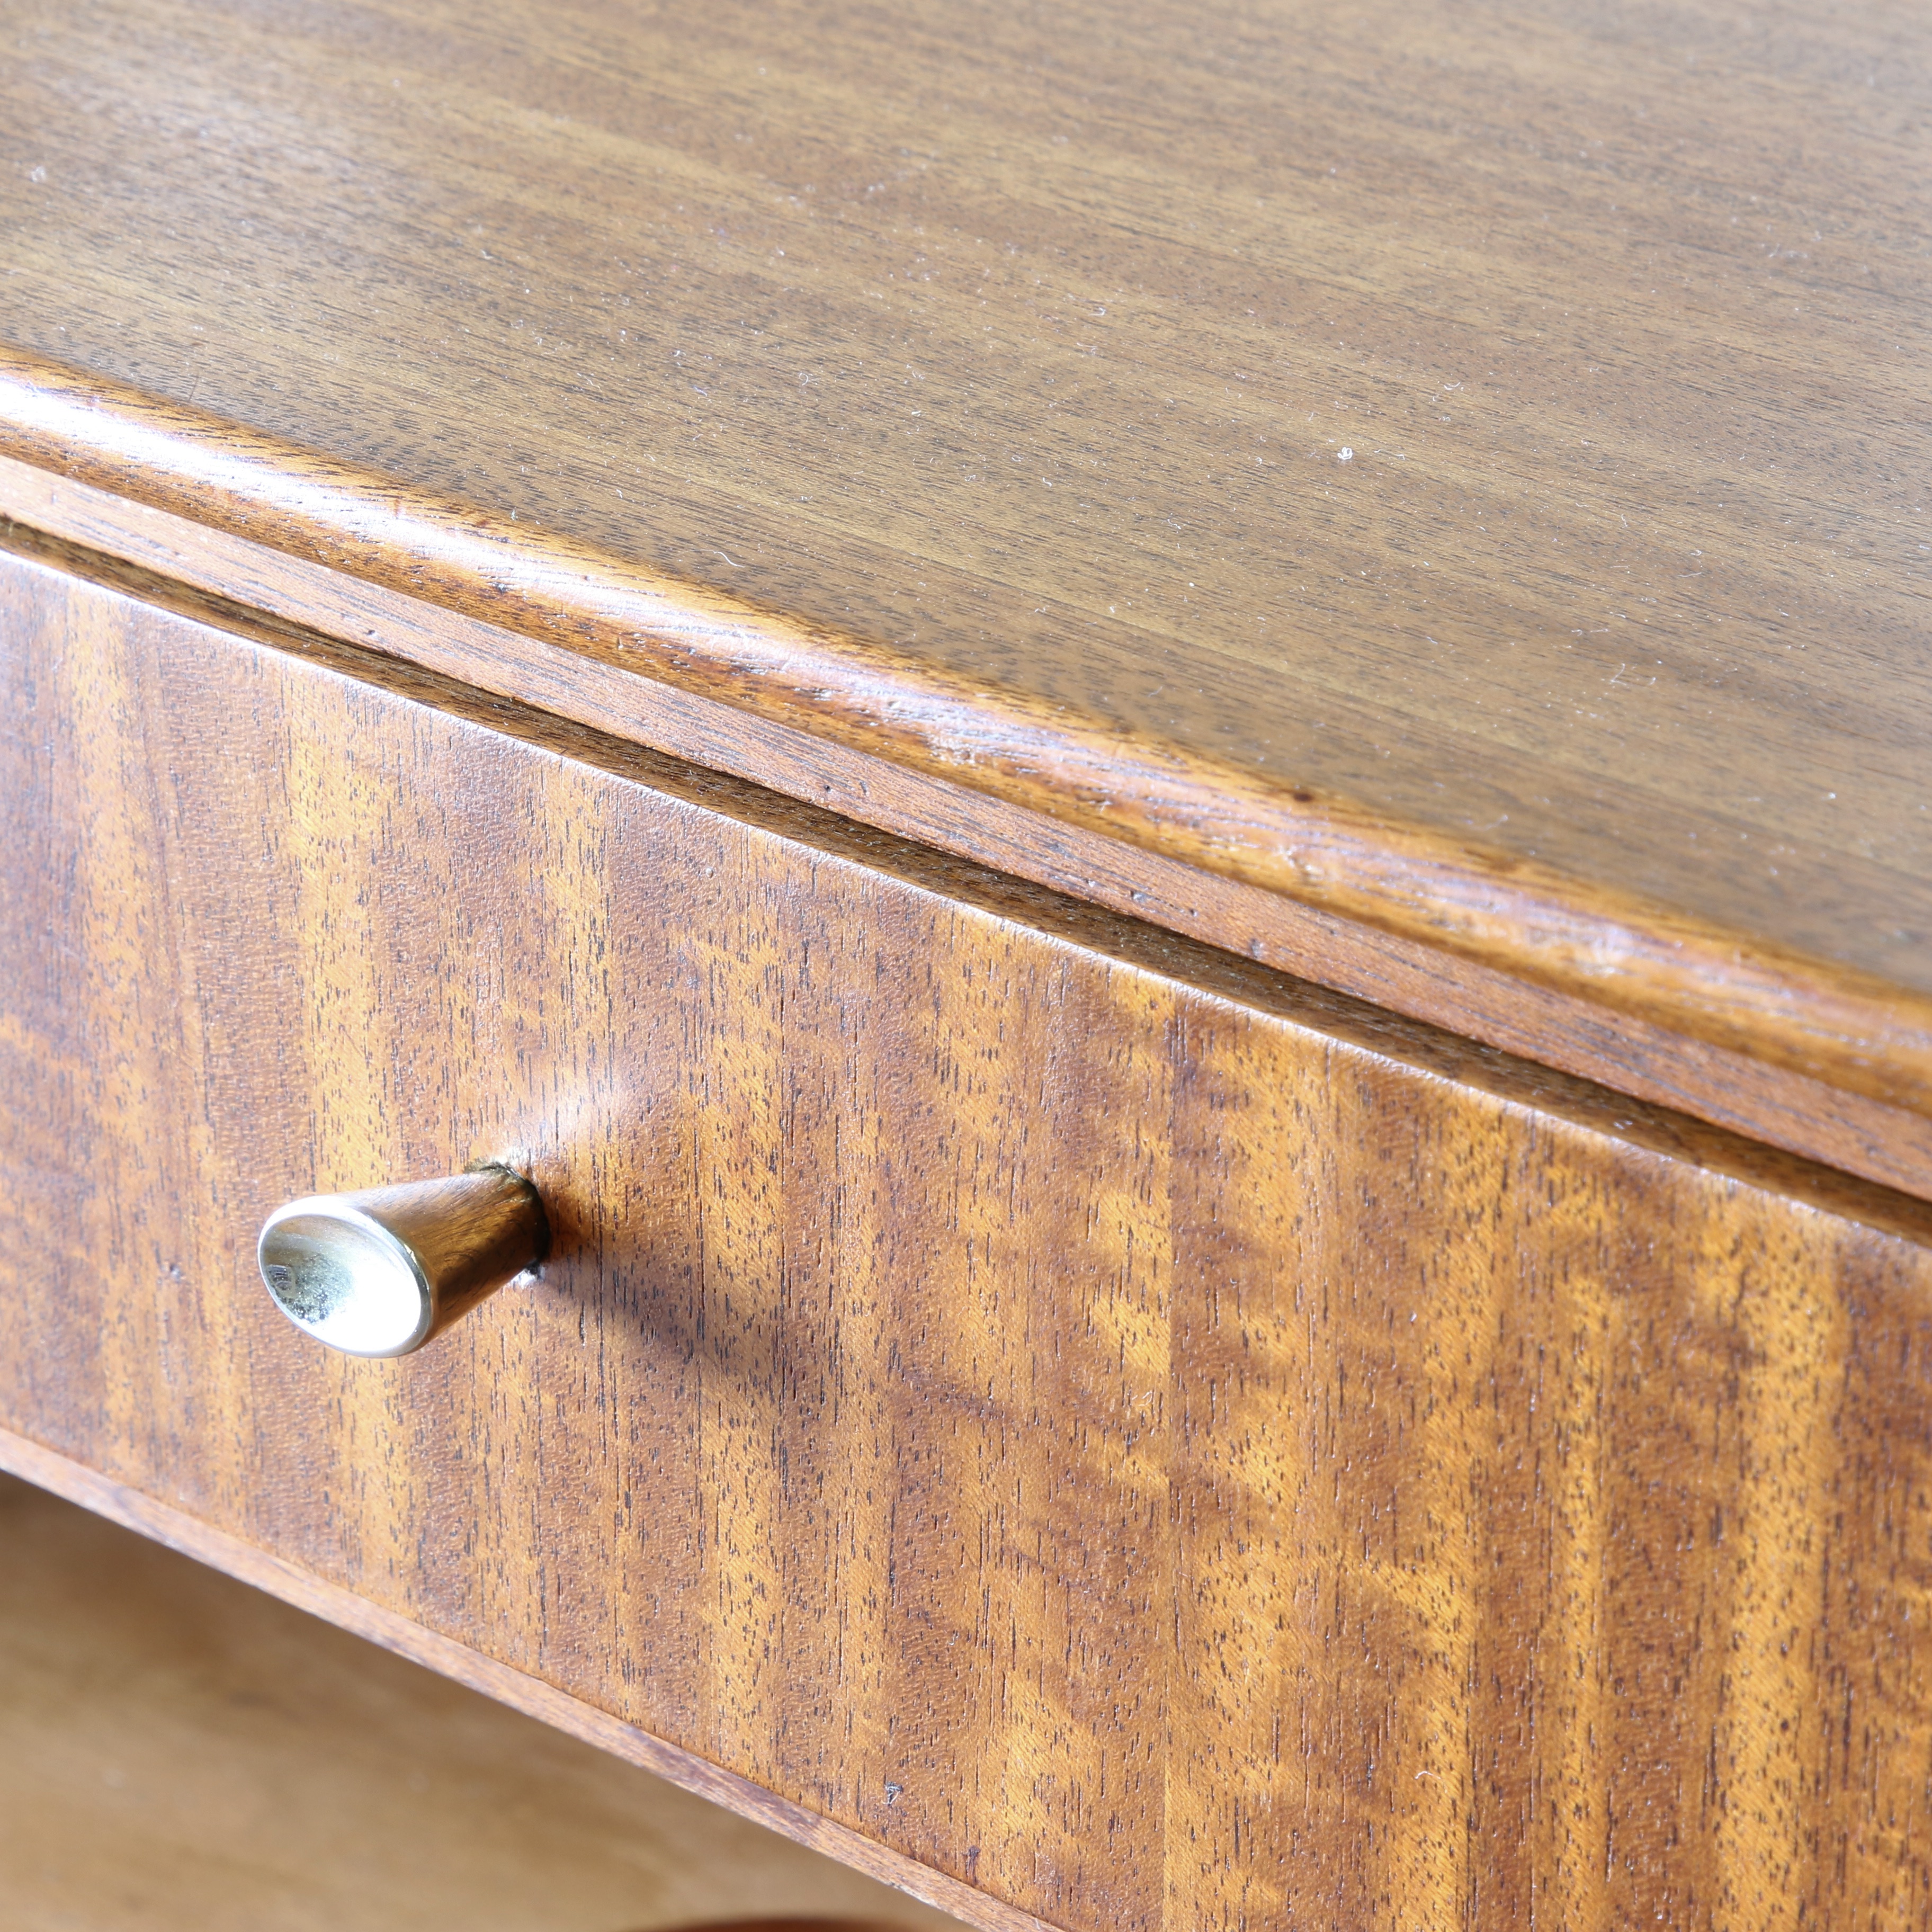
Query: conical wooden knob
(381, 1272)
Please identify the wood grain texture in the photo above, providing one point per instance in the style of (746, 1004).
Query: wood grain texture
(1499, 911)
(1151, 1441)
(170, 556)
(1009, 354)
(180, 1753)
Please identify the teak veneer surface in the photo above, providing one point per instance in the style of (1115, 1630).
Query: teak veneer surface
(982, 375)
(175, 564)
(1148, 1441)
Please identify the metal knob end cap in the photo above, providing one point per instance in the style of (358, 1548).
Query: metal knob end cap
(381, 1272)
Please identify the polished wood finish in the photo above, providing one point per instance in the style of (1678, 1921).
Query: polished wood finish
(971, 389)
(1499, 912)
(180, 1753)
(1149, 1441)
(170, 556)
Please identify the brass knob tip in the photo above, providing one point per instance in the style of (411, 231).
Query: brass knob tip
(379, 1273)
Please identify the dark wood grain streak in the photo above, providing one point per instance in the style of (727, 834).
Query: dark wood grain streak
(117, 1503)
(1156, 1443)
(1732, 1090)
(1513, 915)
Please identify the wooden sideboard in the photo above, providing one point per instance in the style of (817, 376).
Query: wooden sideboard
(1170, 768)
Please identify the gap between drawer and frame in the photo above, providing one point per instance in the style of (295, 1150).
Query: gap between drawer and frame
(90, 532)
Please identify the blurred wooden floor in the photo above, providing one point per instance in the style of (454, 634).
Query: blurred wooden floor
(181, 1754)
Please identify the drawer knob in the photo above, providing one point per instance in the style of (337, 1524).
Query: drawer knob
(381, 1272)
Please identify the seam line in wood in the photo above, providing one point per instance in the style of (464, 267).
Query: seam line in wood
(49, 1469)
(509, 681)
(1850, 1029)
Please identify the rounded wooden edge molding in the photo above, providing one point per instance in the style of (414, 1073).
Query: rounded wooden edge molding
(1650, 961)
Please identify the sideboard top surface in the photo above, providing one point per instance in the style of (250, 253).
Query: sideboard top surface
(1512, 419)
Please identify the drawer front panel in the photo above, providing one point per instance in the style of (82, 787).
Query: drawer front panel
(1107, 1431)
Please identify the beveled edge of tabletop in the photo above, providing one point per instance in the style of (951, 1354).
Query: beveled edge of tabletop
(1451, 907)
